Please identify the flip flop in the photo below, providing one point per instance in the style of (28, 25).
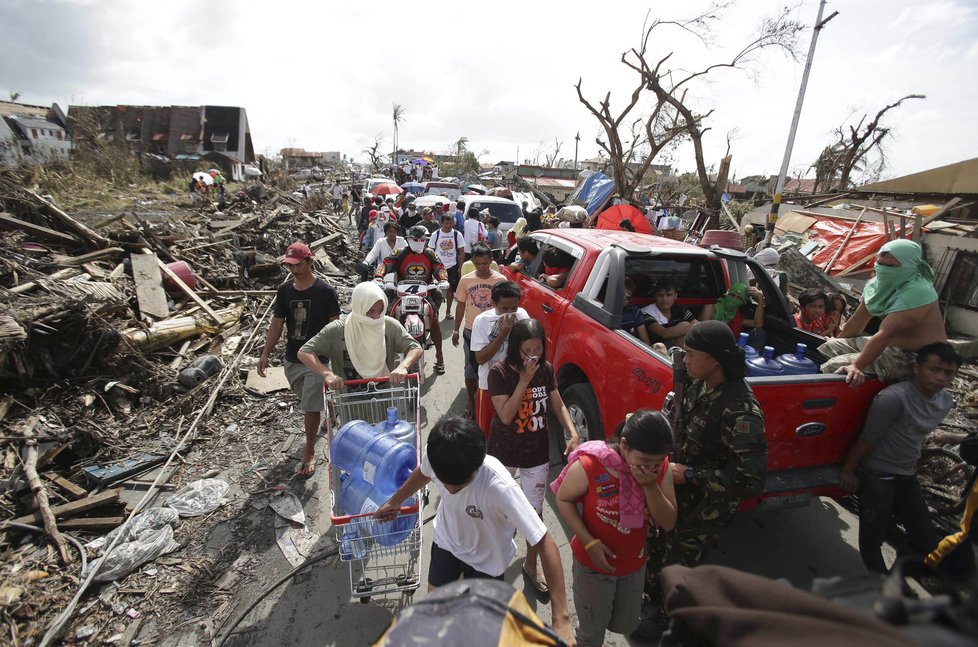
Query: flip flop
(538, 585)
(305, 471)
(440, 368)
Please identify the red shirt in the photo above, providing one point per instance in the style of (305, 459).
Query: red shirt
(600, 513)
(816, 326)
(407, 264)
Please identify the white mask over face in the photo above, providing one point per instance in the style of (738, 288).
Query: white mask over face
(417, 246)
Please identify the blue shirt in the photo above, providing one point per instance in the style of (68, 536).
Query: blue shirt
(459, 221)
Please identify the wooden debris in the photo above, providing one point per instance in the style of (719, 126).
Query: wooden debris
(74, 491)
(37, 230)
(149, 285)
(40, 494)
(186, 289)
(75, 507)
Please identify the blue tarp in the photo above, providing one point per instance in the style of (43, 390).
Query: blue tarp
(593, 192)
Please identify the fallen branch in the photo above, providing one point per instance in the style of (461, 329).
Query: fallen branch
(40, 494)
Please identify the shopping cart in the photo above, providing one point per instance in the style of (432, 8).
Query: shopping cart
(375, 568)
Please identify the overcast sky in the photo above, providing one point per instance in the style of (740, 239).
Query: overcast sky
(324, 75)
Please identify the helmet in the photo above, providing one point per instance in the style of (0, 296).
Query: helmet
(417, 232)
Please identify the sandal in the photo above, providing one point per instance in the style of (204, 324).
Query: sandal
(538, 585)
(307, 469)
(440, 368)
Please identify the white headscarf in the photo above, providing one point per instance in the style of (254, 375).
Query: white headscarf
(365, 339)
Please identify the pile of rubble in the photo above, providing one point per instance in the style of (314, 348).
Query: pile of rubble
(125, 343)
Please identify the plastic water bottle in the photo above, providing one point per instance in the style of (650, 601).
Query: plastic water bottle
(749, 351)
(351, 546)
(359, 497)
(764, 365)
(378, 458)
(797, 363)
(400, 429)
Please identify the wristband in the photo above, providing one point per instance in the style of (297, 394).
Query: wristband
(591, 544)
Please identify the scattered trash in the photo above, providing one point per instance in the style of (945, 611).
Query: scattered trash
(287, 505)
(199, 498)
(126, 557)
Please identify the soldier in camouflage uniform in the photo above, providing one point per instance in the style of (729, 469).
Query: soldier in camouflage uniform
(721, 461)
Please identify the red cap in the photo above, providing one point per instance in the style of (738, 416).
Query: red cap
(296, 253)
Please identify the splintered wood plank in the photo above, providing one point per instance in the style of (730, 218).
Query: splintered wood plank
(75, 507)
(189, 292)
(149, 285)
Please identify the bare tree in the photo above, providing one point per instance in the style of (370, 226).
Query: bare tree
(670, 86)
(373, 152)
(551, 158)
(398, 115)
(856, 147)
(14, 95)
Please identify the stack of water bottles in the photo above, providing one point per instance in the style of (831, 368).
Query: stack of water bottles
(764, 365)
(375, 461)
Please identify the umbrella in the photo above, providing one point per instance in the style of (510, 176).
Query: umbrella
(386, 189)
(420, 161)
(201, 176)
(413, 187)
(431, 200)
(499, 191)
(610, 217)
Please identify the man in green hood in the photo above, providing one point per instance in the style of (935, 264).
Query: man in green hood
(902, 294)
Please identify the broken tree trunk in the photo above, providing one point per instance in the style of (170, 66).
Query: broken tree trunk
(69, 223)
(40, 494)
(171, 331)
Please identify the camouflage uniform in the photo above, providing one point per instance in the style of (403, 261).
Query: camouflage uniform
(732, 453)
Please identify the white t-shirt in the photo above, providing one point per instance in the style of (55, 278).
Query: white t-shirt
(446, 246)
(473, 229)
(485, 329)
(382, 249)
(476, 523)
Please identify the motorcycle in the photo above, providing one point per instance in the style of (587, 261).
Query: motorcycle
(412, 308)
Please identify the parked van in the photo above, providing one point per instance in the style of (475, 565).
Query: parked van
(505, 209)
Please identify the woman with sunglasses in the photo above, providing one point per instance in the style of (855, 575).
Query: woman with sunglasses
(607, 494)
(523, 389)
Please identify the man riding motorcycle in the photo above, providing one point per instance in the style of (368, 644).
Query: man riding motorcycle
(417, 263)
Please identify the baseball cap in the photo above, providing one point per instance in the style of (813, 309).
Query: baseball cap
(296, 253)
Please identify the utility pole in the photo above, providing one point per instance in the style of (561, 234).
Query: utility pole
(776, 205)
(577, 140)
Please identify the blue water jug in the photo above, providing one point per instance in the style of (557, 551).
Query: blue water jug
(749, 351)
(378, 458)
(400, 429)
(764, 365)
(348, 444)
(797, 363)
(359, 497)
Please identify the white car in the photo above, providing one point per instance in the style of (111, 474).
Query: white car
(505, 209)
(373, 181)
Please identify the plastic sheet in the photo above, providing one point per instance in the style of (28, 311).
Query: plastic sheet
(149, 519)
(126, 557)
(199, 498)
(867, 238)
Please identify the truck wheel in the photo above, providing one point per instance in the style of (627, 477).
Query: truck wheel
(584, 411)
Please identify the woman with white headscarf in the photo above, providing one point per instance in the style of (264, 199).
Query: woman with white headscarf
(362, 344)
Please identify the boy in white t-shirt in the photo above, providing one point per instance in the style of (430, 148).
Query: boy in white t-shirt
(490, 332)
(450, 247)
(475, 230)
(481, 506)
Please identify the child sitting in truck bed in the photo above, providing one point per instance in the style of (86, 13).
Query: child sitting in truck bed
(668, 322)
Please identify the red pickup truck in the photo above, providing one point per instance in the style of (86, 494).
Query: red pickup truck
(604, 372)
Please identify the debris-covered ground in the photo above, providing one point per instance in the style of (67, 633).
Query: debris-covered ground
(95, 382)
(96, 337)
